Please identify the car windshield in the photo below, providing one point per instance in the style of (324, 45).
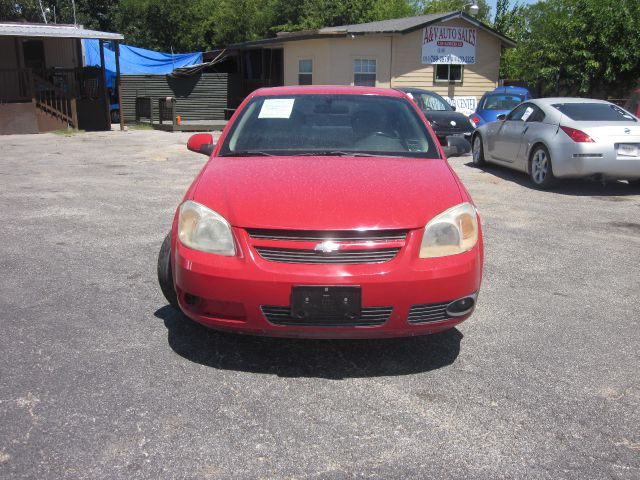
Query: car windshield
(594, 112)
(429, 101)
(329, 124)
(500, 101)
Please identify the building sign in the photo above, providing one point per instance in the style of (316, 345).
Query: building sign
(465, 105)
(452, 45)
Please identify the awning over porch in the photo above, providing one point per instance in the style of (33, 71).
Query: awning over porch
(54, 31)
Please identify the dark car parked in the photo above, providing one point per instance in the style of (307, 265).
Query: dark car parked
(445, 121)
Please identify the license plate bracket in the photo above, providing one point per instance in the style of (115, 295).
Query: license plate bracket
(331, 303)
(628, 150)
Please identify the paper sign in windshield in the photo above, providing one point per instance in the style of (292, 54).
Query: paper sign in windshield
(527, 113)
(276, 108)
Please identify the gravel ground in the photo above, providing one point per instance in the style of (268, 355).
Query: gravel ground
(101, 379)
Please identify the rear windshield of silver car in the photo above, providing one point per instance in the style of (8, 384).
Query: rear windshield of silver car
(594, 112)
(329, 124)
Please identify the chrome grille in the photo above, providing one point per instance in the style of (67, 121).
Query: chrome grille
(369, 317)
(293, 255)
(434, 312)
(322, 235)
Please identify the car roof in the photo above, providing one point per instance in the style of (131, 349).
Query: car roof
(324, 89)
(554, 100)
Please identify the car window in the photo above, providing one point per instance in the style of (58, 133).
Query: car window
(324, 123)
(519, 112)
(428, 101)
(536, 115)
(498, 101)
(594, 112)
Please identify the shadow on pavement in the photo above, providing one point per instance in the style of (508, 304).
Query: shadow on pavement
(331, 359)
(570, 186)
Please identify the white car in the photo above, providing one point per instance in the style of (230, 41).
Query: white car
(551, 138)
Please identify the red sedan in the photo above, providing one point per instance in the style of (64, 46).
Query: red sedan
(324, 212)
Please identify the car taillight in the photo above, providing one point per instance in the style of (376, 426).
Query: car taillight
(476, 119)
(577, 135)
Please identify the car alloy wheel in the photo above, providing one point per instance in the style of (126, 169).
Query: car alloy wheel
(540, 169)
(477, 152)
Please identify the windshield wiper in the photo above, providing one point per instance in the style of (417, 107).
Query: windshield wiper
(340, 153)
(248, 153)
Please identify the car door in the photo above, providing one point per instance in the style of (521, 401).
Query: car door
(533, 130)
(508, 135)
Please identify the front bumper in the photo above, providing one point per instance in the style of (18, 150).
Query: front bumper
(232, 292)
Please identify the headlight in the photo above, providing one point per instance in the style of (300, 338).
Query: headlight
(203, 229)
(453, 231)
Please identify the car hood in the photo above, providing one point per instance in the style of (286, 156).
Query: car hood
(443, 119)
(327, 193)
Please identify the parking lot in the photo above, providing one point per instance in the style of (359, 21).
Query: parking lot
(101, 379)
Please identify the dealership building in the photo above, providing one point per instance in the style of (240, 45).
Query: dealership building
(451, 53)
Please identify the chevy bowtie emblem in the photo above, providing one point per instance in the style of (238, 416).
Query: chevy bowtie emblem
(627, 130)
(453, 123)
(327, 247)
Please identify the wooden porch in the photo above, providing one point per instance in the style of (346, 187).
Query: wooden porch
(62, 98)
(43, 85)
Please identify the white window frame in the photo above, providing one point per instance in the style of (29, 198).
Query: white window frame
(300, 60)
(448, 80)
(355, 68)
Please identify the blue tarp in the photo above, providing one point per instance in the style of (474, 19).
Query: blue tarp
(134, 60)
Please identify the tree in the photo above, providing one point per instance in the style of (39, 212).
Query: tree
(592, 46)
(504, 17)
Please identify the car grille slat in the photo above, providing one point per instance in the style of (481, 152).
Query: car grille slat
(435, 312)
(292, 255)
(335, 235)
(369, 317)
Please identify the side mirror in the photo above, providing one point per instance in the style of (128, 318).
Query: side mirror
(456, 146)
(502, 117)
(453, 107)
(201, 143)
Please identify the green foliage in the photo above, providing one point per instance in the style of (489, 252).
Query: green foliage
(205, 24)
(592, 46)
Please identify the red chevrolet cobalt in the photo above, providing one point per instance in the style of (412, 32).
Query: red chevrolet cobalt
(324, 212)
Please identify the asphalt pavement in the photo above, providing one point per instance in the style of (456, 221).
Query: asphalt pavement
(99, 378)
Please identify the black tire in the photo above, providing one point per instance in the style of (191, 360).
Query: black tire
(541, 168)
(477, 151)
(165, 277)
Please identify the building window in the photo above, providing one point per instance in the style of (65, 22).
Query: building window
(448, 73)
(305, 71)
(364, 72)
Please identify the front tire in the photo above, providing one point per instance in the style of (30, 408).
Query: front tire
(478, 152)
(165, 276)
(540, 168)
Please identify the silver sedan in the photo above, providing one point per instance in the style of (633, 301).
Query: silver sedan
(550, 138)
